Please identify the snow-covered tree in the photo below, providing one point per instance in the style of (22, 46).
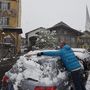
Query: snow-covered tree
(46, 39)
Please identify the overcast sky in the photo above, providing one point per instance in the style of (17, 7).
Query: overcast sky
(46, 13)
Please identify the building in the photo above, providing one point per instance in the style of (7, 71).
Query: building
(84, 40)
(65, 32)
(31, 37)
(87, 24)
(23, 45)
(10, 22)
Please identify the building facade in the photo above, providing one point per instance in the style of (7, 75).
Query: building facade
(31, 37)
(10, 13)
(10, 22)
(65, 32)
(84, 40)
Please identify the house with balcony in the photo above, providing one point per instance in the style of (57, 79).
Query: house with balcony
(10, 22)
(65, 32)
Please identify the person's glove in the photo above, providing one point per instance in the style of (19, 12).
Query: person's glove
(40, 54)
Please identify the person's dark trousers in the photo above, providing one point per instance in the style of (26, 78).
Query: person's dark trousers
(0, 85)
(78, 80)
(10, 86)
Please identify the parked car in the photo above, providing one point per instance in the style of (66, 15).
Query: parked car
(83, 55)
(39, 73)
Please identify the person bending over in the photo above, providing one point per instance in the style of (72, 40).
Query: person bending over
(70, 62)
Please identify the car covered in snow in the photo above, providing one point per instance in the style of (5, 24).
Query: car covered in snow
(38, 73)
(83, 55)
(41, 73)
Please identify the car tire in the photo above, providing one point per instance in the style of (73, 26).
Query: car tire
(71, 88)
(88, 66)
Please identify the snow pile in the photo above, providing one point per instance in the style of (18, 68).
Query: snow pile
(42, 69)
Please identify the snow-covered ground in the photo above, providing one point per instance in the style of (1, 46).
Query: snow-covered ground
(33, 67)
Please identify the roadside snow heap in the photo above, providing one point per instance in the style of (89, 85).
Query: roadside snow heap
(41, 69)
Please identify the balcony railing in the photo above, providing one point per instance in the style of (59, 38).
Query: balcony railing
(8, 13)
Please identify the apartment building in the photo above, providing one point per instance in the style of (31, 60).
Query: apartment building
(10, 22)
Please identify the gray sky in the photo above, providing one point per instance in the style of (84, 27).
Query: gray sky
(46, 13)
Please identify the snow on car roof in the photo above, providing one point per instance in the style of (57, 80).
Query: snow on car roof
(79, 49)
(81, 53)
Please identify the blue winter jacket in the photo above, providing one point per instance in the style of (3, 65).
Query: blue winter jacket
(68, 58)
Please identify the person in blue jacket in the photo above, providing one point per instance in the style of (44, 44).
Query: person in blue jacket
(70, 62)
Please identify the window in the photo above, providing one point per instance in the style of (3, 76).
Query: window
(8, 39)
(65, 32)
(5, 5)
(4, 21)
(72, 39)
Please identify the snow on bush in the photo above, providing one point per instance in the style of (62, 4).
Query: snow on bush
(46, 39)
